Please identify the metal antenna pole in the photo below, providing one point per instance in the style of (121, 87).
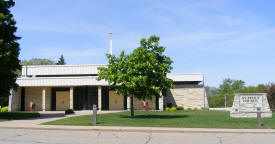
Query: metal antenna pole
(204, 93)
(111, 44)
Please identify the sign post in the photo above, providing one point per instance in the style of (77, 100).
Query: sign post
(94, 114)
(259, 118)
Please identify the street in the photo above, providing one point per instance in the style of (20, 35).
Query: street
(26, 136)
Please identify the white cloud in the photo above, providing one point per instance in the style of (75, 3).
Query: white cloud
(69, 52)
(241, 43)
(71, 27)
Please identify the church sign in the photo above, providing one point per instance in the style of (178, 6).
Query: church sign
(251, 102)
(246, 105)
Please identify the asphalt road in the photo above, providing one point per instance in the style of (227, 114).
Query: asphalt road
(25, 136)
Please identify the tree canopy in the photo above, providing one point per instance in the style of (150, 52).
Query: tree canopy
(61, 60)
(271, 95)
(140, 74)
(37, 61)
(9, 48)
(229, 87)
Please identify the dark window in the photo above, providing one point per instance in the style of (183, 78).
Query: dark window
(105, 98)
(85, 97)
(187, 83)
(69, 75)
(22, 99)
(125, 102)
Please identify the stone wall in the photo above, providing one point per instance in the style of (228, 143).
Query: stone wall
(16, 100)
(188, 96)
(34, 94)
(151, 104)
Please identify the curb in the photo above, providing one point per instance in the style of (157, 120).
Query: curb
(145, 129)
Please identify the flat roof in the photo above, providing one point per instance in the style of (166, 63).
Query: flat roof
(197, 77)
(29, 74)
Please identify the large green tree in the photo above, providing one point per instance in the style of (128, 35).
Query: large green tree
(271, 95)
(140, 74)
(227, 89)
(37, 61)
(9, 49)
(61, 60)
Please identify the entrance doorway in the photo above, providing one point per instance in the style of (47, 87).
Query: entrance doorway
(62, 100)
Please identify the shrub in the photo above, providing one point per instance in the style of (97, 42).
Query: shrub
(69, 111)
(4, 109)
(195, 108)
(180, 108)
(167, 109)
(207, 109)
(189, 108)
(173, 109)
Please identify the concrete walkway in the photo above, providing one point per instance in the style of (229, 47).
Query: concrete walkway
(34, 123)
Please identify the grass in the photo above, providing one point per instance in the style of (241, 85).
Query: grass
(184, 119)
(5, 116)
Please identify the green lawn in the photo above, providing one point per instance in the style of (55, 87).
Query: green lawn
(5, 116)
(187, 119)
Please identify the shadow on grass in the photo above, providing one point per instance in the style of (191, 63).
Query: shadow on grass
(155, 116)
(18, 115)
(47, 116)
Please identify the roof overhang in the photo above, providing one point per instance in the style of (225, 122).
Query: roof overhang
(60, 81)
(91, 80)
(61, 69)
(186, 77)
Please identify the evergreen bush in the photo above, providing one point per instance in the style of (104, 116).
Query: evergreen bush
(69, 111)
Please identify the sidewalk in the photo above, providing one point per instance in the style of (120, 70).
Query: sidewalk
(140, 129)
(34, 123)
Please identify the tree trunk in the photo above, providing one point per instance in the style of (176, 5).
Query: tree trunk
(132, 107)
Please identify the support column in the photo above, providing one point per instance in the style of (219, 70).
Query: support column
(161, 103)
(10, 100)
(128, 103)
(99, 98)
(44, 99)
(71, 98)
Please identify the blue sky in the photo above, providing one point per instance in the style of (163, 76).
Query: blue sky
(222, 39)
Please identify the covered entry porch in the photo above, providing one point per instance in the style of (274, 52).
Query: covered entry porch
(60, 87)
(60, 98)
(77, 98)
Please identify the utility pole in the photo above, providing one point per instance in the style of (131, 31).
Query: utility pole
(111, 44)
(225, 101)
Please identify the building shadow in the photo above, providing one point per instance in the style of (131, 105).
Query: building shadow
(169, 100)
(148, 116)
(48, 116)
